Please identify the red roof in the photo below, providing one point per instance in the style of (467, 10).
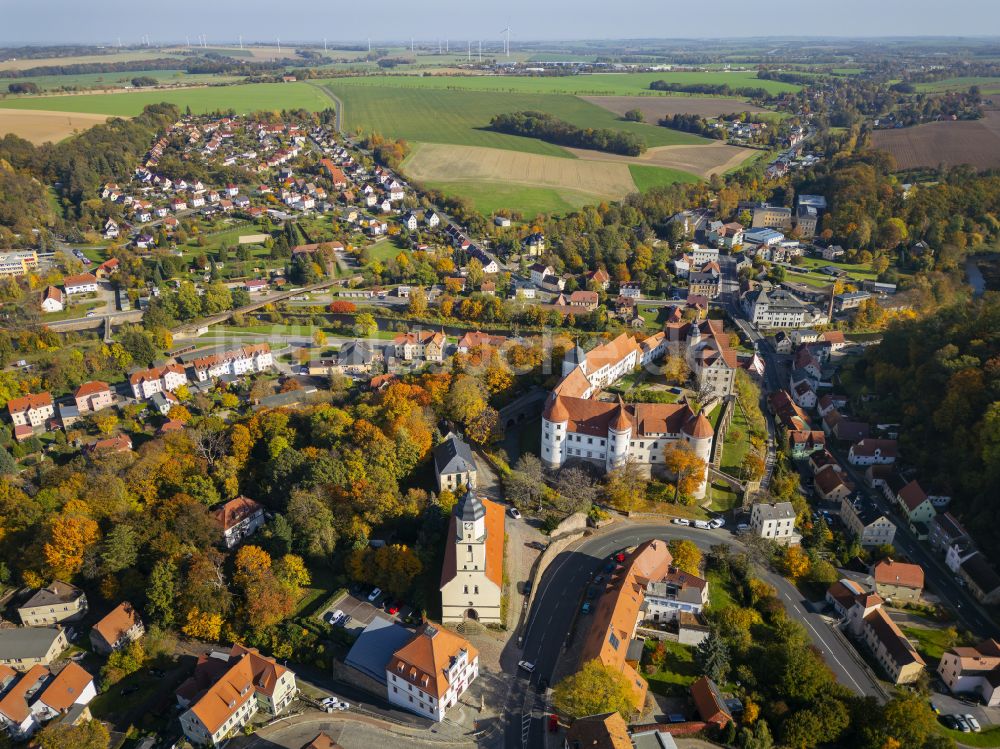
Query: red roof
(91, 388)
(81, 280)
(236, 510)
(890, 572)
(29, 402)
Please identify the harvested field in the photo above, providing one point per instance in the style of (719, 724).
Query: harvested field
(711, 158)
(40, 127)
(435, 162)
(655, 107)
(973, 142)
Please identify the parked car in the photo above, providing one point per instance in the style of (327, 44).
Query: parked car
(536, 545)
(373, 596)
(132, 688)
(679, 521)
(703, 524)
(527, 587)
(973, 723)
(526, 665)
(742, 527)
(334, 703)
(949, 722)
(586, 608)
(716, 523)
(963, 726)
(392, 608)
(334, 617)
(514, 513)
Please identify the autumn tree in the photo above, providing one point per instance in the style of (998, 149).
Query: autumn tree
(64, 735)
(594, 689)
(392, 567)
(752, 466)
(686, 556)
(418, 302)
(365, 325)
(626, 487)
(69, 536)
(466, 398)
(795, 562)
(688, 469)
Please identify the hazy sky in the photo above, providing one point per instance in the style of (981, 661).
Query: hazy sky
(39, 21)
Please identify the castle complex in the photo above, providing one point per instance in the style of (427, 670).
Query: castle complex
(577, 425)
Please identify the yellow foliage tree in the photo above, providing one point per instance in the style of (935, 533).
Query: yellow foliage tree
(202, 625)
(687, 556)
(795, 563)
(69, 537)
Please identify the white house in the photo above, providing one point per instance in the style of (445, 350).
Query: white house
(80, 284)
(238, 518)
(431, 672)
(157, 380)
(52, 300)
(773, 521)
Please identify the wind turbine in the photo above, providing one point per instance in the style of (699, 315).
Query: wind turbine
(241, 41)
(279, 45)
(506, 44)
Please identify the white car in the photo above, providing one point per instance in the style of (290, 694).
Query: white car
(514, 513)
(742, 527)
(373, 596)
(973, 723)
(679, 521)
(716, 523)
(703, 524)
(526, 665)
(334, 703)
(335, 616)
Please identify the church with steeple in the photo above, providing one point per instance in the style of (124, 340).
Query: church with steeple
(472, 576)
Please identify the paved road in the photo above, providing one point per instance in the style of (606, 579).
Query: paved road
(560, 591)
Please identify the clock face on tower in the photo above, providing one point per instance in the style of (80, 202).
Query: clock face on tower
(469, 526)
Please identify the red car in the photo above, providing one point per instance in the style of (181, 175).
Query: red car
(393, 608)
(553, 723)
(620, 557)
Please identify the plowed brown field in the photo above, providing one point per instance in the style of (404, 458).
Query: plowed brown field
(39, 126)
(974, 142)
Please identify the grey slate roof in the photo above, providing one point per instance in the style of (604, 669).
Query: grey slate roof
(777, 511)
(354, 353)
(26, 642)
(471, 508)
(454, 456)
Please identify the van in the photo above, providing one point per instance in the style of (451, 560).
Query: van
(702, 524)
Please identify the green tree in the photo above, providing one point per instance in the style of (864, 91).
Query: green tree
(594, 689)
(7, 463)
(120, 548)
(161, 592)
(365, 325)
(712, 657)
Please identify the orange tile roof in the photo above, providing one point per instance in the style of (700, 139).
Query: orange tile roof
(249, 672)
(64, 690)
(29, 402)
(154, 373)
(91, 388)
(79, 280)
(322, 742)
(236, 510)
(14, 704)
(891, 572)
(425, 658)
(117, 622)
(611, 352)
(608, 731)
(706, 699)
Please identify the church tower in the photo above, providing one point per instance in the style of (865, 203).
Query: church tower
(472, 578)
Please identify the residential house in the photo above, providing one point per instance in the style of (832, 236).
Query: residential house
(18, 263)
(868, 622)
(431, 219)
(915, 504)
(771, 216)
(147, 382)
(842, 594)
(870, 451)
(803, 443)
(726, 236)
(117, 629)
(973, 671)
(479, 340)
(599, 278)
(355, 358)
(898, 582)
(410, 220)
(430, 673)
(248, 359)
(709, 703)
(80, 284)
(93, 396)
(586, 300)
(421, 344)
(71, 687)
(473, 591)
(868, 525)
(454, 464)
(832, 484)
(22, 648)
(947, 532)
(534, 244)
(255, 285)
(52, 299)
(773, 521)
(981, 578)
(121, 443)
(502, 221)
(227, 690)
(58, 602)
(162, 402)
(238, 518)
(31, 410)
(674, 593)
(605, 731)
(613, 622)
(539, 272)
(111, 230)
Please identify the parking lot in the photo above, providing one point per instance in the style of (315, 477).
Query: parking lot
(361, 612)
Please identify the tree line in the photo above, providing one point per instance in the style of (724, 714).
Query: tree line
(545, 127)
(716, 89)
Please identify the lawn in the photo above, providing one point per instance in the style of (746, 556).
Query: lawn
(855, 271)
(723, 498)
(530, 201)
(989, 737)
(733, 450)
(808, 280)
(930, 643)
(648, 177)
(676, 673)
(719, 596)
(597, 84)
(250, 97)
(383, 250)
(460, 116)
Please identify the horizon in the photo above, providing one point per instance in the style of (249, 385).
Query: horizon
(63, 22)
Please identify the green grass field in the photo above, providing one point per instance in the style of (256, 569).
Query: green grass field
(930, 643)
(986, 84)
(530, 201)
(597, 84)
(461, 117)
(648, 177)
(246, 98)
(113, 80)
(677, 672)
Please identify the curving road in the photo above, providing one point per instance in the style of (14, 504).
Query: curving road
(559, 594)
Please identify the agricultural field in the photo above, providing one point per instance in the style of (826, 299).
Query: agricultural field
(596, 84)
(974, 142)
(711, 157)
(41, 127)
(529, 201)
(246, 98)
(112, 80)
(655, 107)
(986, 84)
(129, 56)
(461, 117)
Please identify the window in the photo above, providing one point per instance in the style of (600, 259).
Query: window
(615, 642)
(466, 590)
